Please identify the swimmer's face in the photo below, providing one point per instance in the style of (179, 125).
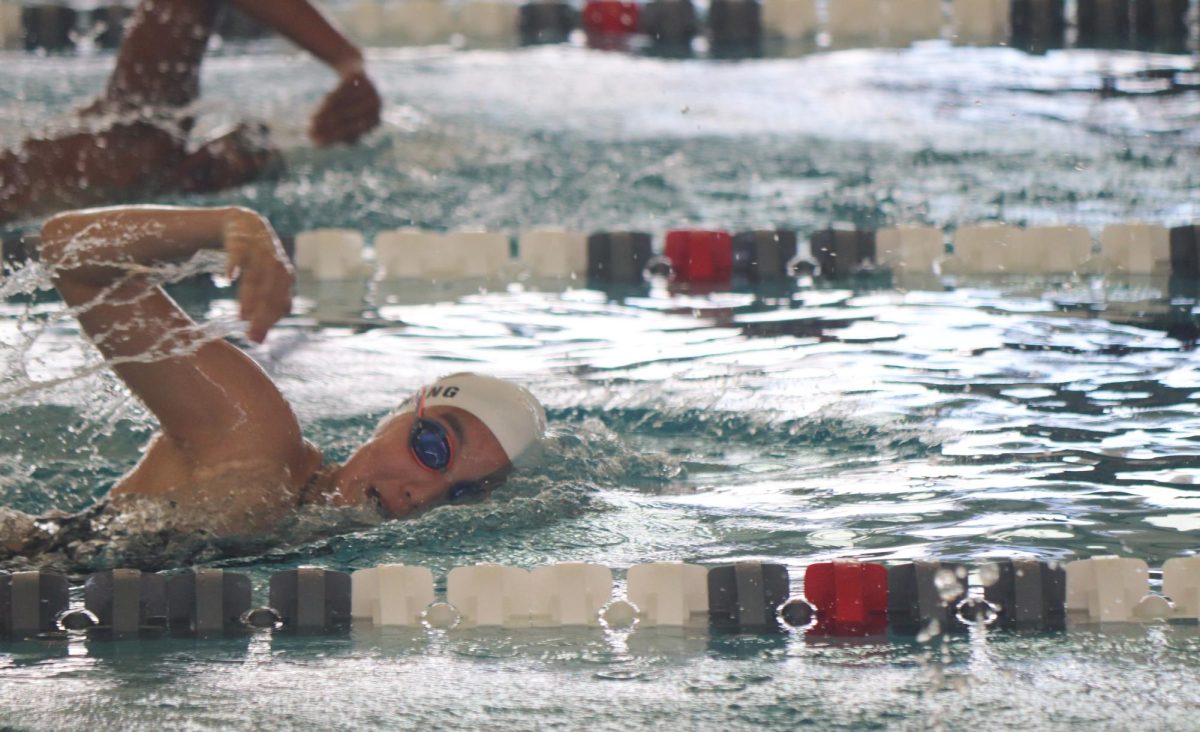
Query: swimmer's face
(385, 470)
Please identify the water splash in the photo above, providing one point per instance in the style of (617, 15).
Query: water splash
(35, 360)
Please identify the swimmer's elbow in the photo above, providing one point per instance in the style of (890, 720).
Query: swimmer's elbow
(76, 269)
(63, 250)
(57, 232)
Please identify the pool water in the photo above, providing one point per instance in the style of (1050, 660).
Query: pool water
(877, 419)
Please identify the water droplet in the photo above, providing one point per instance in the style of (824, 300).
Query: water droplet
(619, 614)
(929, 632)
(948, 585)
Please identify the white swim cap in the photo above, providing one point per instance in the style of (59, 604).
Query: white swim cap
(509, 411)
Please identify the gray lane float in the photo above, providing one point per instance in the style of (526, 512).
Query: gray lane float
(1026, 594)
(922, 596)
(547, 22)
(126, 603)
(1103, 24)
(747, 595)
(1160, 26)
(1037, 26)
(311, 599)
(49, 27)
(31, 603)
(207, 602)
(764, 255)
(671, 25)
(618, 256)
(107, 23)
(842, 253)
(1185, 251)
(735, 27)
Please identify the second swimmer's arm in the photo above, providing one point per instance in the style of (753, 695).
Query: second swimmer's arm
(353, 108)
(305, 25)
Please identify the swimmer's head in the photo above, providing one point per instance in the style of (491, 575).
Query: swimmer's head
(511, 413)
(455, 438)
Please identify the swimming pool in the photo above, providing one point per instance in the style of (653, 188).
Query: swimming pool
(1052, 418)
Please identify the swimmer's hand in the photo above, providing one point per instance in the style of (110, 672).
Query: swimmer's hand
(348, 112)
(257, 260)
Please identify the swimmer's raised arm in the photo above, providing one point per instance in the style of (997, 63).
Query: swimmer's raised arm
(136, 139)
(93, 248)
(304, 24)
(352, 109)
(203, 390)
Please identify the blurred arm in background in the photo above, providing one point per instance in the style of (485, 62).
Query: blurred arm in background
(134, 138)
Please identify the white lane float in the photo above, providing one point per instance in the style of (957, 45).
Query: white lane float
(569, 593)
(1136, 249)
(669, 593)
(330, 254)
(910, 249)
(391, 594)
(1108, 589)
(553, 252)
(790, 20)
(489, 22)
(490, 595)
(979, 22)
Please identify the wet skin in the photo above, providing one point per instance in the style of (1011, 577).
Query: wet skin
(85, 168)
(89, 168)
(158, 68)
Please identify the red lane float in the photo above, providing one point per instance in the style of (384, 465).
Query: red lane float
(700, 256)
(610, 17)
(851, 598)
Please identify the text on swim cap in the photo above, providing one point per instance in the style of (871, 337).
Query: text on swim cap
(448, 392)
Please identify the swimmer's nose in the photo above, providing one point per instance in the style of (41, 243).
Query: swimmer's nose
(402, 498)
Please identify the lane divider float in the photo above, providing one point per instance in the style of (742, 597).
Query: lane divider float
(546, 21)
(714, 257)
(842, 598)
(733, 27)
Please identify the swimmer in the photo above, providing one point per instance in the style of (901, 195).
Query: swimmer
(230, 454)
(134, 139)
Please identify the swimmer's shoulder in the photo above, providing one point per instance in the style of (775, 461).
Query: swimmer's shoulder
(227, 493)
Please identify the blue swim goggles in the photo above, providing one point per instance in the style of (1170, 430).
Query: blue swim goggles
(429, 441)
